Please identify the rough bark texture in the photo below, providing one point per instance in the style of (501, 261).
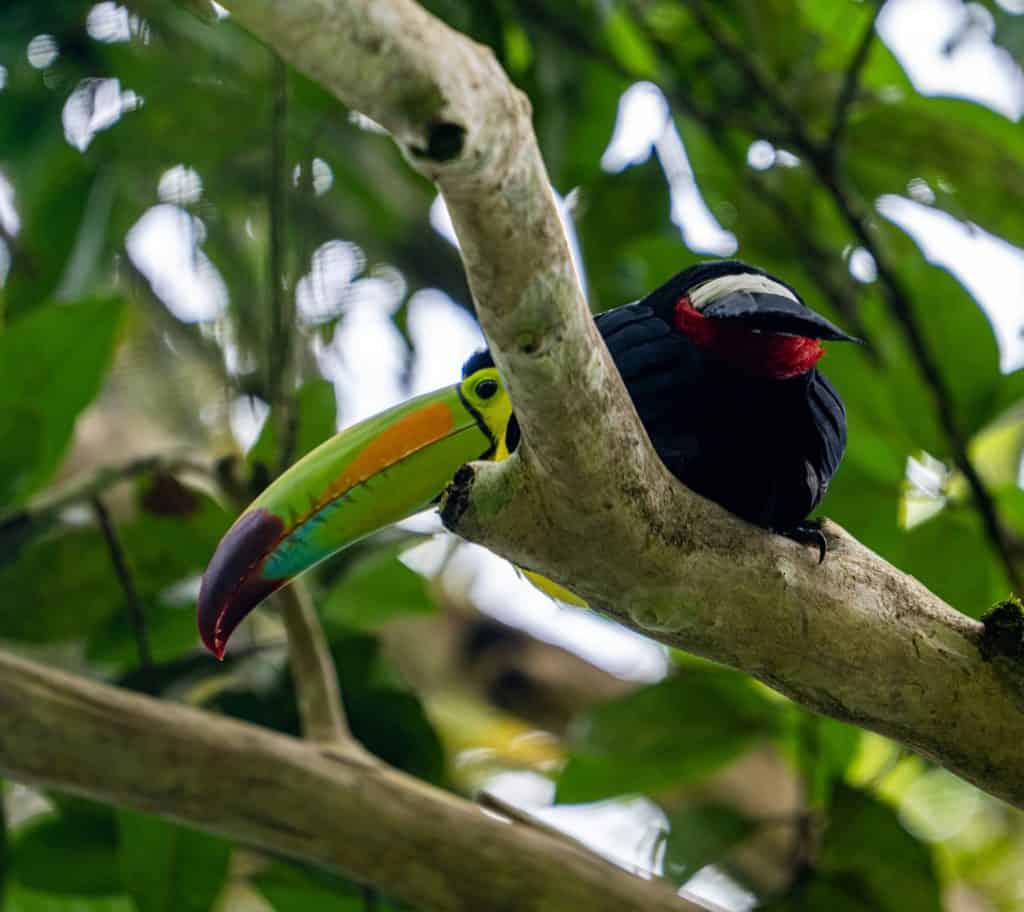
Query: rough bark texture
(332, 807)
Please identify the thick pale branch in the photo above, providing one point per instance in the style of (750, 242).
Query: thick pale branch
(330, 807)
(854, 638)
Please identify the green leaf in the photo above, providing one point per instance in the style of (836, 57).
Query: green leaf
(60, 588)
(375, 590)
(289, 888)
(63, 586)
(317, 420)
(71, 854)
(971, 157)
(51, 365)
(979, 578)
(864, 839)
(170, 868)
(170, 631)
(57, 181)
(19, 461)
(393, 725)
(826, 892)
(628, 44)
(23, 899)
(1010, 504)
(701, 835)
(672, 733)
(835, 747)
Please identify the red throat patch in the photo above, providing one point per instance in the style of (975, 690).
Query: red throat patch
(762, 354)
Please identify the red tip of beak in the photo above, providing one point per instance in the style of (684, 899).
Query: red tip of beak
(232, 584)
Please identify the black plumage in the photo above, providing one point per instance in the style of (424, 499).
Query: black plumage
(763, 448)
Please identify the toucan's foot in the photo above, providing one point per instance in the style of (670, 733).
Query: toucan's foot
(809, 533)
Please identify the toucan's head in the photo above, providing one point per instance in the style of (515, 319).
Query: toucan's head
(369, 476)
(745, 316)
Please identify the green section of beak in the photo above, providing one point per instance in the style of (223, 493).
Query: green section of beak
(376, 473)
(369, 476)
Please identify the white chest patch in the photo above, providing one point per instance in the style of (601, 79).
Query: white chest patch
(716, 289)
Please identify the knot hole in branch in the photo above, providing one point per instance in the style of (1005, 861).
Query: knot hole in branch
(444, 142)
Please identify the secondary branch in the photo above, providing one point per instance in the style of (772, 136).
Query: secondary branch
(292, 798)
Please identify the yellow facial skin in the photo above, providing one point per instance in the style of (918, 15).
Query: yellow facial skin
(485, 394)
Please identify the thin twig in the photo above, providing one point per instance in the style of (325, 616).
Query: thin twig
(136, 612)
(851, 84)
(899, 303)
(316, 678)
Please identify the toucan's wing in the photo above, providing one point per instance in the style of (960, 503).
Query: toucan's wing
(659, 365)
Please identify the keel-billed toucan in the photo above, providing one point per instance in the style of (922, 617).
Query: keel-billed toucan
(719, 362)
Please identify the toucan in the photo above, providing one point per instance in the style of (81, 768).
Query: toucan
(719, 362)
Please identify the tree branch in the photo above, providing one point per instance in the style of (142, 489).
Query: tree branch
(851, 83)
(316, 678)
(288, 797)
(855, 639)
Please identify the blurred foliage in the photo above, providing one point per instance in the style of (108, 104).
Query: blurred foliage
(103, 126)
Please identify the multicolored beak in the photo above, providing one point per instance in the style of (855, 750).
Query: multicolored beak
(369, 476)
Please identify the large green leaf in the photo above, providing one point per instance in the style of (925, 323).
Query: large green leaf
(865, 839)
(58, 182)
(170, 868)
(297, 894)
(51, 365)
(63, 585)
(971, 157)
(73, 854)
(835, 893)
(702, 834)
(25, 899)
(666, 735)
(376, 589)
(289, 888)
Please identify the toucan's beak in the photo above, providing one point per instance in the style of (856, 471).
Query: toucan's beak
(376, 473)
(774, 313)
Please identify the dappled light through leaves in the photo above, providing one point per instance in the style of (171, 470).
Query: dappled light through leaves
(208, 265)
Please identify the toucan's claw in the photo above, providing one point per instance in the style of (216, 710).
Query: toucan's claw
(809, 533)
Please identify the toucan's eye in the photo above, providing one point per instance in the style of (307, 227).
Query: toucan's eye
(486, 389)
